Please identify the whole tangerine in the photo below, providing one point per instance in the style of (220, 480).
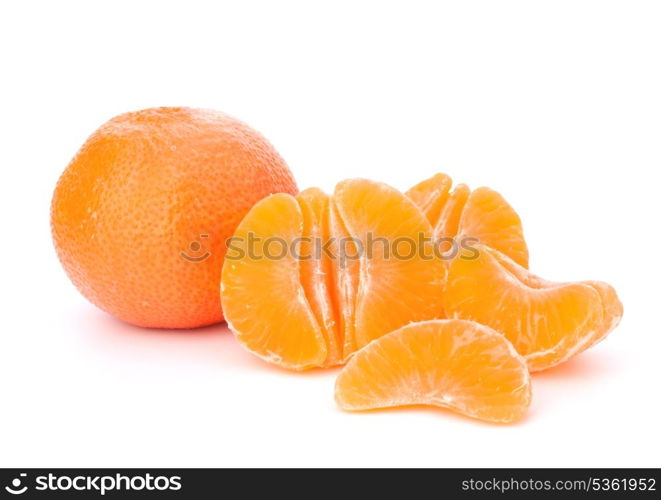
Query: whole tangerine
(141, 215)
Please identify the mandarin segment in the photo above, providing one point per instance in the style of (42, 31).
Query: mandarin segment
(546, 322)
(431, 195)
(264, 301)
(482, 214)
(613, 310)
(451, 214)
(455, 364)
(317, 272)
(346, 296)
(399, 280)
(488, 217)
(345, 279)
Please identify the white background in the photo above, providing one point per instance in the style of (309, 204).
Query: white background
(555, 104)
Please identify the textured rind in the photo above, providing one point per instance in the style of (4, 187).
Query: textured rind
(454, 364)
(142, 188)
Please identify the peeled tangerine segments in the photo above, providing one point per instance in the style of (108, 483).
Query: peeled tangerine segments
(399, 280)
(318, 307)
(482, 214)
(546, 322)
(316, 273)
(264, 301)
(456, 364)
